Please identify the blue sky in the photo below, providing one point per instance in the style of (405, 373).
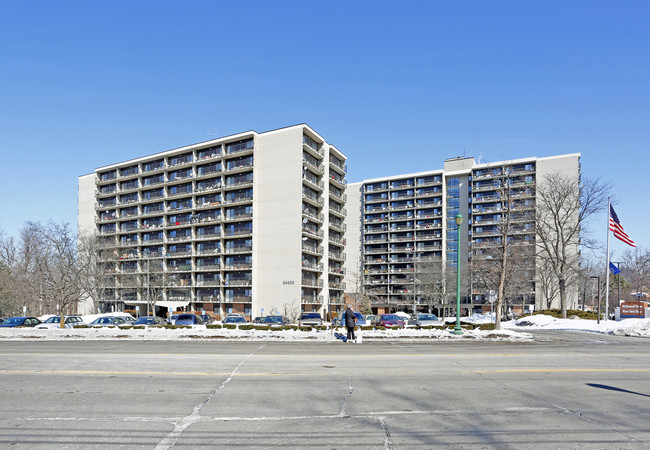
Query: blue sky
(397, 86)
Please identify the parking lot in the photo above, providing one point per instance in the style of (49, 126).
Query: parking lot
(565, 390)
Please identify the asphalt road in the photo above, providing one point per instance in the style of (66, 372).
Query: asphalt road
(565, 390)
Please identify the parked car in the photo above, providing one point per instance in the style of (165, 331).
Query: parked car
(2, 319)
(388, 321)
(234, 319)
(130, 320)
(424, 320)
(258, 319)
(20, 322)
(275, 320)
(109, 321)
(188, 319)
(55, 322)
(171, 319)
(361, 319)
(310, 319)
(370, 318)
(150, 320)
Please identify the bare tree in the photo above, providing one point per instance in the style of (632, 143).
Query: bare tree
(564, 205)
(97, 267)
(58, 266)
(503, 259)
(636, 264)
(292, 311)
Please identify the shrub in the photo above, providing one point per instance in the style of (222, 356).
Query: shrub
(557, 313)
(464, 326)
(486, 326)
(82, 326)
(247, 326)
(230, 326)
(395, 327)
(305, 328)
(290, 327)
(138, 327)
(367, 328)
(262, 327)
(215, 326)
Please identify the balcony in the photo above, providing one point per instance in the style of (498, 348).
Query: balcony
(238, 233)
(312, 249)
(312, 266)
(340, 182)
(238, 266)
(239, 168)
(314, 149)
(337, 210)
(313, 182)
(311, 283)
(337, 166)
(238, 249)
(207, 172)
(237, 217)
(312, 232)
(317, 167)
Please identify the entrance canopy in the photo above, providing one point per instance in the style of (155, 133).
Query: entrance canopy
(173, 305)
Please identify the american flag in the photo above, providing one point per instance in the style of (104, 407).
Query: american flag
(616, 227)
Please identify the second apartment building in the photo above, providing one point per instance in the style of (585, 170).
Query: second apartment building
(404, 244)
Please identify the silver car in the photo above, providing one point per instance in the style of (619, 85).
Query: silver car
(425, 320)
(55, 322)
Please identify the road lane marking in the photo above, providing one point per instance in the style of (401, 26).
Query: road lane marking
(559, 370)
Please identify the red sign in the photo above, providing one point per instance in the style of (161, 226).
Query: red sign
(633, 309)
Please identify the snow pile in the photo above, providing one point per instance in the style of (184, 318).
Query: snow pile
(514, 330)
(625, 327)
(203, 332)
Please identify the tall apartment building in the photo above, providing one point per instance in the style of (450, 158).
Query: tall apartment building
(403, 252)
(249, 223)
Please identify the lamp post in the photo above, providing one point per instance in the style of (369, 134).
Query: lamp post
(458, 329)
(598, 309)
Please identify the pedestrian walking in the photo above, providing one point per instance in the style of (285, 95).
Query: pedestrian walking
(350, 323)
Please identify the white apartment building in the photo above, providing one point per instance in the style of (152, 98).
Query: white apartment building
(403, 238)
(250, 223)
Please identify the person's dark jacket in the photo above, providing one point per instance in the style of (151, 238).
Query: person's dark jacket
(350, 318)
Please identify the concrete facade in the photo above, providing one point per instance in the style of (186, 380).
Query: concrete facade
(407, 221)
(249, 223)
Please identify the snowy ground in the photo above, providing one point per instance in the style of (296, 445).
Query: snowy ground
(511, 331)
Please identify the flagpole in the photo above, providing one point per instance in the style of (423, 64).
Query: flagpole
(609, 212)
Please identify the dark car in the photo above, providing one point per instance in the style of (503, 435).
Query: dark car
(2, 319)
(234, 319)
(188, 319)
(388, 320)
(258, 319)
(20, 322)
(310, 320)
(150, 320)
(275, 320)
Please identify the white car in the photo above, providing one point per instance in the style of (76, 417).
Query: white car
(55, 322)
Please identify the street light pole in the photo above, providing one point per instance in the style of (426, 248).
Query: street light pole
(598, 308)
(458, 329)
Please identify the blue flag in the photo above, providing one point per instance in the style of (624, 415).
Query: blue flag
(615, 270)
